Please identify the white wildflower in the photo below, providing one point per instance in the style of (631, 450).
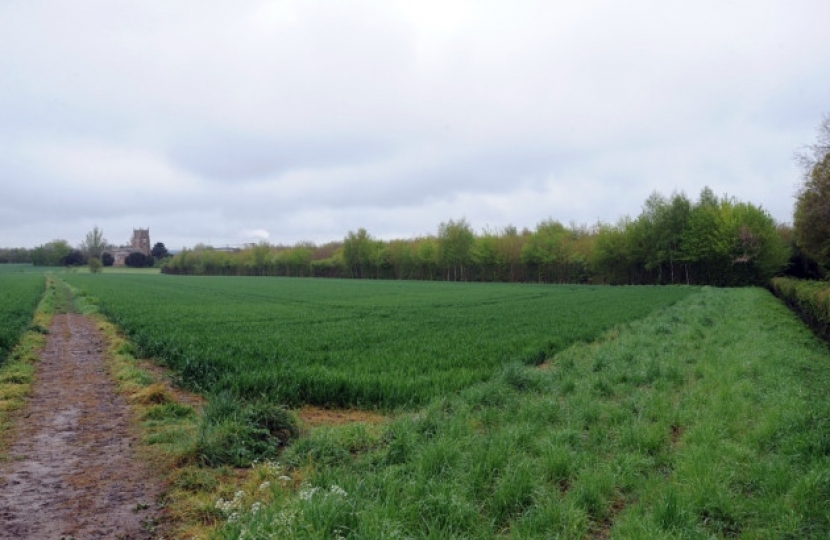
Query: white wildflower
(306, 493)
(263, 486)
(337, 490)
(256, 507)
(227, 506)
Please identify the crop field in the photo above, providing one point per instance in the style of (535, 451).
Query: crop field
(372, 344)
(20, 291)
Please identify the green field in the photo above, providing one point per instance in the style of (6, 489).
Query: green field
(20, 291)
(374, 344)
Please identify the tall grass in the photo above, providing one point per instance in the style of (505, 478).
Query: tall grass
(708, 419)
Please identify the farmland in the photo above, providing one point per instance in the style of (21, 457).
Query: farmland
(513, 411)
(20, 291)
(371, 344)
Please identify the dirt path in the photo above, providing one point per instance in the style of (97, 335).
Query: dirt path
(73, 472)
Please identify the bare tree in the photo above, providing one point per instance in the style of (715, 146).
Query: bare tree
(813, 154)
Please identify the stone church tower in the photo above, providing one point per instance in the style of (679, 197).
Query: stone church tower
(141, 241)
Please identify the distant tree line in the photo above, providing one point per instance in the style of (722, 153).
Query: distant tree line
(94, 251)
(714, 240)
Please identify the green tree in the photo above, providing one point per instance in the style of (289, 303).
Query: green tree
(51, 254)
(488, 256)
(812, 210)
(159, 251)
(426, 255)
(259, 259)
(94, 243)
(358, 252)
(399, 254)
(545, 248)
(455, 240)
(299, 259)
(758, 251)
(610, 259)
(659, 232)
(511, 244)
(707, 244)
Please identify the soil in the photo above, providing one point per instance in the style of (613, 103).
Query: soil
(317, 416)
(74, 472)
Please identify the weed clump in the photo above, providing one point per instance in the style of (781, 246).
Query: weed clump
(238, 433)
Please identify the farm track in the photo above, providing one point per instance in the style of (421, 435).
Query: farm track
(74, 472)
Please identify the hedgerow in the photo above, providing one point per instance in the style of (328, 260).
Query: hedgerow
(810, 299)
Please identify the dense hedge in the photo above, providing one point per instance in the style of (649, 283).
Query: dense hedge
(811, 299)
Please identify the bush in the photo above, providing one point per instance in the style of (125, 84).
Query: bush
(74, 258)
(136, 259)
(95, 265)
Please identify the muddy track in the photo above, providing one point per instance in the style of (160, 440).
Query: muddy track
(73, 471)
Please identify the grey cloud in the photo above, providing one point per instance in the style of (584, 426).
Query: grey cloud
(248, 157)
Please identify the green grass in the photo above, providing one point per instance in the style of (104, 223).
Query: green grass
(709, 419)
(373, 344)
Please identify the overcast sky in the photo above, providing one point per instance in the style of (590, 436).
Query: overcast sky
(230, 122)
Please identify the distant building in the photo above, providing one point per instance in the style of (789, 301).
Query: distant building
(140, 243)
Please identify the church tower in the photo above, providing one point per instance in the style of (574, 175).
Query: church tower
(141, 241)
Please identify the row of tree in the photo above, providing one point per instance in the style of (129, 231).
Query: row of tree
(714, 240)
